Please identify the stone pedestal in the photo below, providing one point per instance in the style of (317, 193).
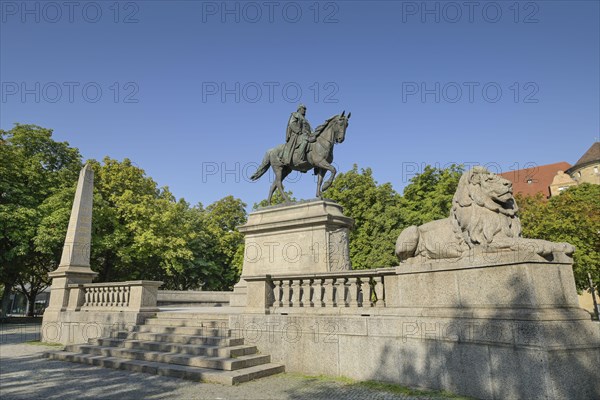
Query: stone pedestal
(305, 237)
(497, 330)
(59, 291)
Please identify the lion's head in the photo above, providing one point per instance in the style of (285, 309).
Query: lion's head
(484, 208)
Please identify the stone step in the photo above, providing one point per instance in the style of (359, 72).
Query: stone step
(181, 339)
(196, 350)
(102, 342)
(191, 316)
(187, 322)
(224, 363)
(173, 370)
(183, 330)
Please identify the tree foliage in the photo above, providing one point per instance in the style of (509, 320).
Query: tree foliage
(221, 220)
(277, 199)
(140, 231)
(377, 217)
(33, 167)
(429, 195)
(573, 217)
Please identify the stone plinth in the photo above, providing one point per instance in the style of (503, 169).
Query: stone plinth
(305, 237)
(497, 330)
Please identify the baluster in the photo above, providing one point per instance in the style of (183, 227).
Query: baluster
(379, 291)
(344, 292)
(95, 297)
(279, 293)
(301, 293)
(352, 298)
(127, 293)
(271, 297)
(319, 288)
(119, 296)
(86, 297)
(334, 292)
(311, 293)
(327, 292)
(293, 293)
(111, 296)
(366, 291)
(285, 287)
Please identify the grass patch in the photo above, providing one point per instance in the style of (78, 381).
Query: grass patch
(39, 343)
(322, 378)
(398, 389)
(381, 386)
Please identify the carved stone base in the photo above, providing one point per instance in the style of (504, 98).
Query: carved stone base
(502, 330)
(304, 237)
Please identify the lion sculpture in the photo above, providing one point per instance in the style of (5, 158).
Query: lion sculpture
(483, 220)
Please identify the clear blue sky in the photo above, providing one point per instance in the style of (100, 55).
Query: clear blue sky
(174, 58)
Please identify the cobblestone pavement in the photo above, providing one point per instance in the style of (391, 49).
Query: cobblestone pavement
(24, 374)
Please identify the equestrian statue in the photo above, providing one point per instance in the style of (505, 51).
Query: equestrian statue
(304, 150)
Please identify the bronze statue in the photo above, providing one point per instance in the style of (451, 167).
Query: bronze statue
(304, 150)
(298, 134)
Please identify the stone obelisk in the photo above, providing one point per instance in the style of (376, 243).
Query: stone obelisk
(74, 264)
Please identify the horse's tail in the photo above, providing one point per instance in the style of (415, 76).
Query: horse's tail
(263, 167)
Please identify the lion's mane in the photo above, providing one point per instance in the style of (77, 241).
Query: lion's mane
(476, 216)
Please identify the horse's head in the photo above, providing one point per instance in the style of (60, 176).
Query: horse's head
(340, 124)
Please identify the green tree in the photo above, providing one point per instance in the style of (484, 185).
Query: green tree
(429, 194)
(277, 199)
(139, 231)
(377, 217)
(221, 220)
(33, 168)
(573, 217)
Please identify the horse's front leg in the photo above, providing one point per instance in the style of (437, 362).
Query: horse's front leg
(320, 175)
(324, 165)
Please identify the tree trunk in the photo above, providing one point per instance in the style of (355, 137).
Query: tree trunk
(5, 300)
(31, 300)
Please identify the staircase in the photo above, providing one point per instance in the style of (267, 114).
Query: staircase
(198, 347)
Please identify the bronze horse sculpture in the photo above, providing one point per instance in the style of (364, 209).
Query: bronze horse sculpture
(319, 156)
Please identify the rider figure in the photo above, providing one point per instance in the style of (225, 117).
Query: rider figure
(298, 134)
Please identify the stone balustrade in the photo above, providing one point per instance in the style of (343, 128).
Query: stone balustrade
(106, 296)
(114, 296)
(342, 289)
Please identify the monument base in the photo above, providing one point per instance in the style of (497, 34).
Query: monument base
(503, 330)
(305, 237)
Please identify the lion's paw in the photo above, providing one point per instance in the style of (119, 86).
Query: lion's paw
(563, 247)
